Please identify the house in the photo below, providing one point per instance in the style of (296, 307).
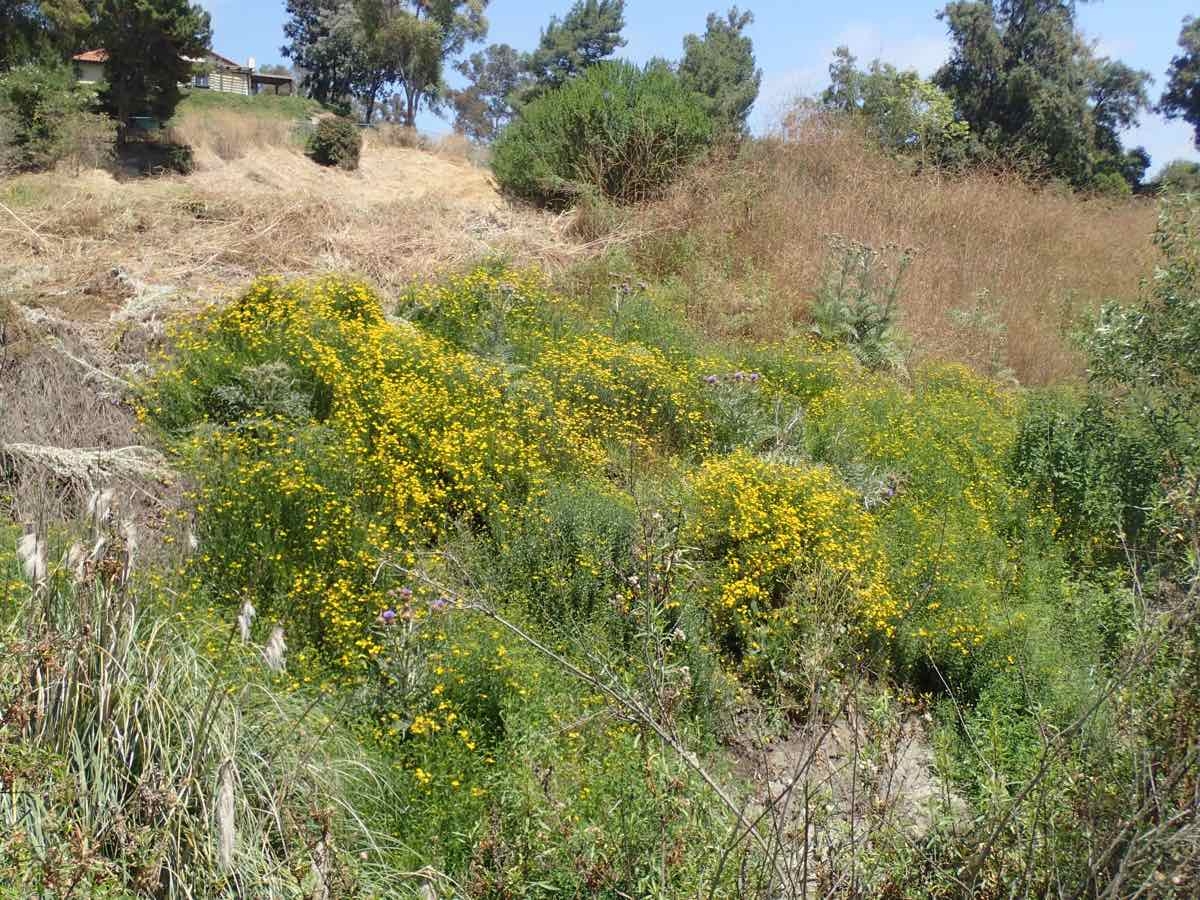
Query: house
(89, 65)
(213, 73)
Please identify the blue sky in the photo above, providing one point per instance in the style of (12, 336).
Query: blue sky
(793, 39)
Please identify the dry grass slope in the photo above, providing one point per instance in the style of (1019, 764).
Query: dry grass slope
(405, 213)
(1042, 256)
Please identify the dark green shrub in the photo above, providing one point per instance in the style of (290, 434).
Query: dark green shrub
(1097, 468)
(180, 159)
(336, 142)
(617, 131)
(47, 117)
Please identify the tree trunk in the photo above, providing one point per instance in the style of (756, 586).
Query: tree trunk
(372, 94)
(412, 100)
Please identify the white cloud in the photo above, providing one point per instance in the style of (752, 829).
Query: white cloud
(781, 88)
(925, 53)
(1166, 141)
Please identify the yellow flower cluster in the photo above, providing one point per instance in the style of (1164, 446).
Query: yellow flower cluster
(401, 436)
(765, 522)
(945, 440)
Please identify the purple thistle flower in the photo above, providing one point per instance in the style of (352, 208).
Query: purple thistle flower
(387, 617)
(405, 593)
(711, 379)
(754, 377)
(439, 604)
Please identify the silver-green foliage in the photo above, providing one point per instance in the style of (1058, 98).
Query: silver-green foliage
(857, 301)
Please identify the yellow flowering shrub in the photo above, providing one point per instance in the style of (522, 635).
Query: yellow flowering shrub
(578, 374)
(332, 436)
(624, 393)
(762, 523)
(944, 444)
(494, 310)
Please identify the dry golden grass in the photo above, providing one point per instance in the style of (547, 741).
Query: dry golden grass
(748, 236)
(405, 214)
(754, 231)
(230, 135)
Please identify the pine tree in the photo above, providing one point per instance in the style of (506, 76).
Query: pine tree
(720, 67)
(590, 32)
(150, 46)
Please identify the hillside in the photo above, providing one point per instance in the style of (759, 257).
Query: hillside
(365, 534)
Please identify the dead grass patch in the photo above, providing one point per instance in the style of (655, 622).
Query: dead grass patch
(230, 135)
(749, 237)
(405, 214)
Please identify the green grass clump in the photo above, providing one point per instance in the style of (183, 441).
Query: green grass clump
(265, 105)
(154, 755)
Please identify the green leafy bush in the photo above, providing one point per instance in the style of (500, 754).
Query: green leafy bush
(47, 117)
(617, 131)
(1098, 469)
(336, 142)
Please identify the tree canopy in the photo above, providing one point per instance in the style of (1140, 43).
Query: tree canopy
(588, 33)
(1030, 87)
(33, 31)
(150, 46)
(482, 108)
(902, 111)
(360, 48)
(720, 67)
(1181, 99)
(500, 80)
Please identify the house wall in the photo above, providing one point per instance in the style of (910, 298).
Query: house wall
(89, 72)
(229, 82)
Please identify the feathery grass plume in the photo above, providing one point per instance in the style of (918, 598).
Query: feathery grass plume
(77, 558)
(98, 549)
(320, 866)
(129, 532)
(226, 831)
(245, 619)
(99, 507)
(274, 650)
(31, 551)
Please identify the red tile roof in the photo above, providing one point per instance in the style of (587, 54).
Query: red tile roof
(100, 56)
(234, 64)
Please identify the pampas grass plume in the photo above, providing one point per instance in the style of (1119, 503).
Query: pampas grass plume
(31, 551)
(273, 653)
(226, 832)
